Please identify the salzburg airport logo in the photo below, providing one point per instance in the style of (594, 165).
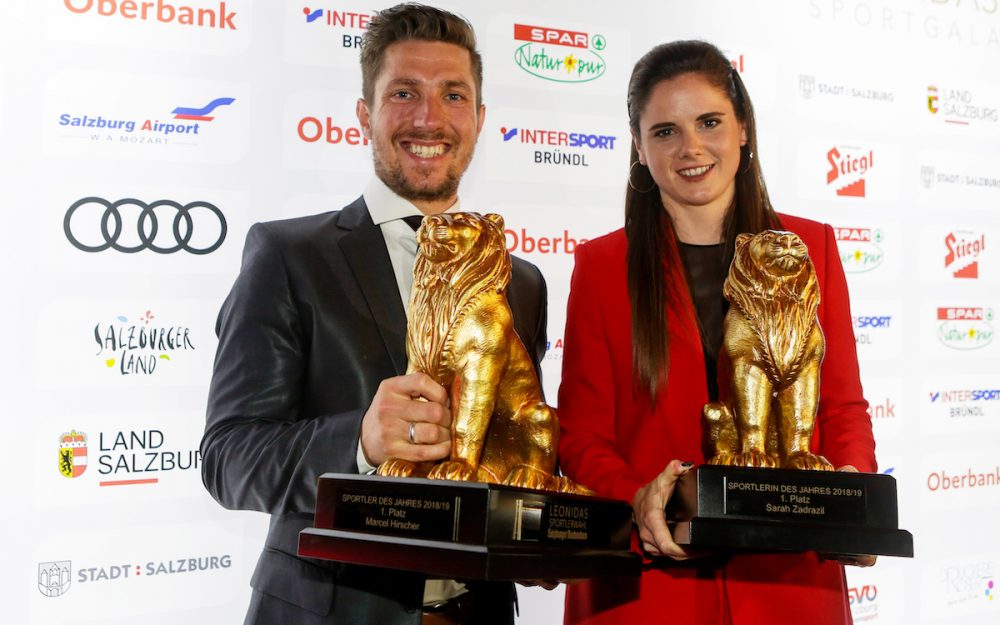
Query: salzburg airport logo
(960, 106)
(559, 55)
(185, 123)
(964, 249)
(859, 248)
(849, 167)
(139, 347)
(158, 11)
(559, 147)
(54, 578)
(72, 453)
(965, 328)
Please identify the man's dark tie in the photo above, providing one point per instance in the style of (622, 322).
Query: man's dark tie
(413, 221)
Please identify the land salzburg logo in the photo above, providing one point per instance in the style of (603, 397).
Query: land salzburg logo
(959, 106)
(72, 453)
(965, 328)
(126, 457)
(849, 167)
(559, 55)
(859, 248)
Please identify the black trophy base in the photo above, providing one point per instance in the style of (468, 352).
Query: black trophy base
(734, 508)
(469, 530)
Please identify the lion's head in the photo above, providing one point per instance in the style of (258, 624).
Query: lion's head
(460, 256)
(773, 283)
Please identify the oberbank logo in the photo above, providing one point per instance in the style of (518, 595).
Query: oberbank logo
(187, 123)
(965, 328)
(859, 248)
(159, 11)
(849, 167)
(559, 55)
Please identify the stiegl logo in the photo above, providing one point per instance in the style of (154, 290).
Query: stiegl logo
(965, 328)
(848, 168)
(859, 248)
(964, 249)
(158, 11)
(559, 55)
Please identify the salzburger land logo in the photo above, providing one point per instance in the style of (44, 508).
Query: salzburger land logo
(959, 106)
(54, 578)
(313, 130)
(965, 328)
(145, 129)
(559, 55)
(560, 147)
(72, 453)
(133, 457)
(929, 176)
(810, 87)
(859, 248)
(972, 582)
(347, 24)
(139, 347)
(964, 248)
(849, 167)
(158, 11)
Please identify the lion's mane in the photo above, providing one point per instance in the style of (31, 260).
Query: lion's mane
(445, 291)
(781, 310)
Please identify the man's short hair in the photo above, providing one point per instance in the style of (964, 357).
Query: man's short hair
(411, 21)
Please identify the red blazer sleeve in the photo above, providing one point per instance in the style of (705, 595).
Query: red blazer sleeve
(845, 429)
(587, 400)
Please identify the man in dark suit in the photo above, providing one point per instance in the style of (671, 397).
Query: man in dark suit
(309, 374)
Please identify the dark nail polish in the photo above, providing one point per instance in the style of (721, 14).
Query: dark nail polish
(687, 465)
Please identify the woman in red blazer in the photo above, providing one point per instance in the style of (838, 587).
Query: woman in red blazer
(642, 347)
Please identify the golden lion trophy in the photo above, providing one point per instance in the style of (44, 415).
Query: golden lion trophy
(495, 509)
(763, 489)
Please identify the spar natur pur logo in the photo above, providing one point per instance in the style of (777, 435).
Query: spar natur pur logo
(558, 54)
(965, 328)
(860, 249)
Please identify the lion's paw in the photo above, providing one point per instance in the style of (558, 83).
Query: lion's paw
(457, 470)
(754, 460)
(724, 458)
(807, 461)
(565, 485)
(526, 476)
(396, 467)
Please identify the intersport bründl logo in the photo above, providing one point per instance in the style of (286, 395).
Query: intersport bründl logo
(560, 147)
(348, 25)
(849, 167)
(964, 249)
(859, 248)
(965, 328)
(559, 55)
(72, 453)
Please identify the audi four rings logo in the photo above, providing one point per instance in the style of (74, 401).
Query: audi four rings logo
(105, 230)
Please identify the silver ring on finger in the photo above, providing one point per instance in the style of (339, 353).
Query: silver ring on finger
(411, 431)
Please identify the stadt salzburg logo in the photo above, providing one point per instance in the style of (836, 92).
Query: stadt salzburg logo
(559, 55)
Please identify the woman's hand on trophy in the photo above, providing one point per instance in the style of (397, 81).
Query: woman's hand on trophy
(409, 418)
(648, 513)
(862, 560)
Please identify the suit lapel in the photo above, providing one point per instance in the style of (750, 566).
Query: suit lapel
(364, 248)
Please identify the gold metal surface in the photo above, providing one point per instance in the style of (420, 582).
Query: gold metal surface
(775, 345)
(460, 332)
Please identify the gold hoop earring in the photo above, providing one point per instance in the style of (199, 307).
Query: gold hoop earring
(632, 186)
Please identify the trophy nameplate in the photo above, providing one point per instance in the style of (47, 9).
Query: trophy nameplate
(469, 530)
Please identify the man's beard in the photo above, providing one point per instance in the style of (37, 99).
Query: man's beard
(394, 179)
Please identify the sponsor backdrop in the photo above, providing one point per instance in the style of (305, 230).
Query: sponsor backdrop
(139, 141)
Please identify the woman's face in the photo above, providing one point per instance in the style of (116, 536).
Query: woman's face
(690, 138)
